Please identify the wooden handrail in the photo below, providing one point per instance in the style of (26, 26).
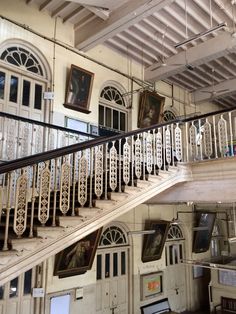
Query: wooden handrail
(30, 160)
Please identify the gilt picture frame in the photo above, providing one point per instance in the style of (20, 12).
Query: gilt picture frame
(78, 257)
(153, 243)
(150, 109)
(79, 89)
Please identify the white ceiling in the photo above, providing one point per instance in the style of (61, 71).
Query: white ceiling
(148, 30)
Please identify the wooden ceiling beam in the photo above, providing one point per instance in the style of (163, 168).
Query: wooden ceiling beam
(128, 14)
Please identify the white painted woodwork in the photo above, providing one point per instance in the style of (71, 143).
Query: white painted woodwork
(127, 15)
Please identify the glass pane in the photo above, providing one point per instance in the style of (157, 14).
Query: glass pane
(122, 121)
(2, 84)
(13, 89)
(170, 255)
(108, 117)
(26, 93)
(1, 292)
(99, 267)
(38, 97)
(107, 265)
(101, 115)
(115, 119)
(175, 252)
(123, 263)
(13, 288)
(115, 265)
(180, 253)
(27, 282)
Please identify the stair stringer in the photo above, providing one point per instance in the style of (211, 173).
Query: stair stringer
(15, 262)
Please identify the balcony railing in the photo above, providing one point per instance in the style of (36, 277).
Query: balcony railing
(21, 137)
(36, 190)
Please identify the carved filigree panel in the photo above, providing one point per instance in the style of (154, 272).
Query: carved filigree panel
(20, 215)
(113, 168)
(168, 144)
(149, 153)
(159, 158)
(178, 142)
(138, 157)
(207, 139)
(24, 139)
(192, 140)
(38, 140)
(126, 162)
(223, 136)
(99, 172)
(65, 187)
(83, 175)
(44, 194)
(10, 140)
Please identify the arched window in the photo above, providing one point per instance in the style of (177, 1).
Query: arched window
(113, 236)
(22, 58)
(174, 246)
(112, 110)
(168, 115)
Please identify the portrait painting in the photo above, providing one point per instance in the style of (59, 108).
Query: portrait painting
(78, 257)
(153, 243)
(79, 89)
(150, 109)
(204, 223)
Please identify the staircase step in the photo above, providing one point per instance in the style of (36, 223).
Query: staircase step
(105, 204)
(88, 212)
(118, 196)
(132, 189)
(143, 183)
(27, 244)
(70, 221)
(49, 231)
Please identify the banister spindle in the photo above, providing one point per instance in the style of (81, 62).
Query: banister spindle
(231, 135)
(91, 178)
(55, 189)
(120, 163)
(106, 169)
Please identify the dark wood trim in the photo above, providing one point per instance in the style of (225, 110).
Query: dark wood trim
(30, 160)
(77, 108)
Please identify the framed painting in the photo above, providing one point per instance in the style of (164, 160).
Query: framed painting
(153, 243)
(78, 257)
(150, 109)
(151, 285)
(204, 223)
(79, 89)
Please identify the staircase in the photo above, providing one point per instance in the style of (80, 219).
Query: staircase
(51, 200)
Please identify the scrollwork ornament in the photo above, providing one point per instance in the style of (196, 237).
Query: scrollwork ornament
(149, 152)
(65, 183)
(192, 139)
(44, 194)
(83, 175)
(207, 136)
(223, 137)
(113, 168)
(99, 172)
(168, 145)
(159, 148)
(21, 205)
(178, 142)
(126, 162)
(138, 158)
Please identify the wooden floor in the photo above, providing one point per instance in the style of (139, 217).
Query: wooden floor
(197, 312)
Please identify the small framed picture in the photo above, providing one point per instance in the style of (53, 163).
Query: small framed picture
(151, 285)
(79, 89)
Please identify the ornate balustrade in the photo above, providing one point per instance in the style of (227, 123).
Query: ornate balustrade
(21, 137)
(37, 190)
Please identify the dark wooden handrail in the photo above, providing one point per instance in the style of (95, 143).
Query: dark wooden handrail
(56, 153)
(46, 125)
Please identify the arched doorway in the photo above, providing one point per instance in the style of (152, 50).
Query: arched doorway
(112, 294)
(24, 77)
(175, 278)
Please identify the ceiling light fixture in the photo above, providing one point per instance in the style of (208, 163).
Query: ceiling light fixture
(202, 34)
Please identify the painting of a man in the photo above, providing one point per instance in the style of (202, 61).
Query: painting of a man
(150, 109)
(79, 88)
(78, 257)
(154, 243)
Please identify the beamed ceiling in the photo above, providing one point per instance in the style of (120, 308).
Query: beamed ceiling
(147, 32)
